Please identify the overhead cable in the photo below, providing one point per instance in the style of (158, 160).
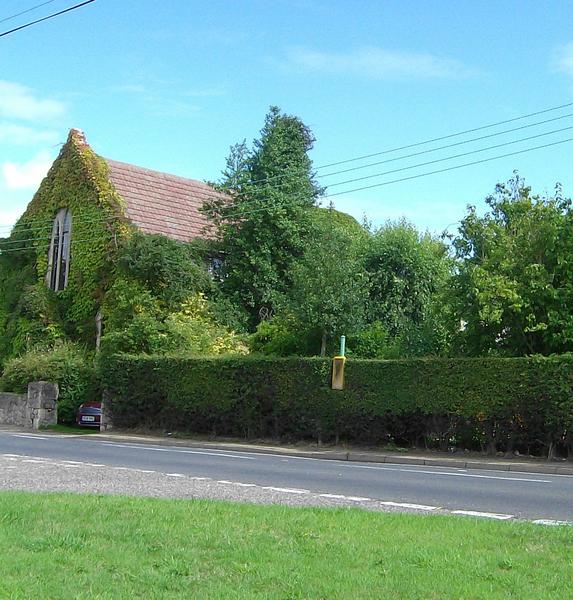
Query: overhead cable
(384, 183)
(57, 14)
(26, 11)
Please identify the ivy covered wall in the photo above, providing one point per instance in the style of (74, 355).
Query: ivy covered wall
(30, 313)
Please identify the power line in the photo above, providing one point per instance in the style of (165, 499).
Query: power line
(234, 211)
(445, 137)
(376, 185)
(431, 162)
(61, 12)
(429, 141)
(215, 193)
(426, 163)
(280, 176)
(28, 249)
(26, 11)
(476, 139)
(49, 224)
(477, 162)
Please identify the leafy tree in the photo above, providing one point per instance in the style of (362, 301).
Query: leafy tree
(408, 273)
(514, 285)
(373, 342)
(263, 224)
(170, 270)
(330, 288)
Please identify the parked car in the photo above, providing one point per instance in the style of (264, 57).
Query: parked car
(89, 414)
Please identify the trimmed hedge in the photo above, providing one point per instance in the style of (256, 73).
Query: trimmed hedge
(490, 404)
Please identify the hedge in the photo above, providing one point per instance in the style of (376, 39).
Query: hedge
(492, 404)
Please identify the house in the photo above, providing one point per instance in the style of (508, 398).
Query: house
(83, 208)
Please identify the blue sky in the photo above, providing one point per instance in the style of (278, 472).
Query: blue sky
(171, 85)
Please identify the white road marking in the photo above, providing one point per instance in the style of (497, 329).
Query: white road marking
(359, 499)
(30, 437)
(551, 522)
(285, 490)
(487, 515)
(176, 450)
(475, 476)
(409, 505)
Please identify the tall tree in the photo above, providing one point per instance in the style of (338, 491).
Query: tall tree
(330, 288)
(514, 286)
(263, 226)
(408, 272)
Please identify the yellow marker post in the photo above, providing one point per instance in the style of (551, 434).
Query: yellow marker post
(338, 363)
(338, 372)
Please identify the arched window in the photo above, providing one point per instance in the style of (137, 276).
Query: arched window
(59, 258)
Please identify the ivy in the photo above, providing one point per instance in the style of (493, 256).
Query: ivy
(78, 181)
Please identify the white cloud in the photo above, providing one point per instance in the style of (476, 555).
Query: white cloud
(26, 175)
(24, 135)
(8, 218)
(20, 102)
(377, 63)
(563, 61)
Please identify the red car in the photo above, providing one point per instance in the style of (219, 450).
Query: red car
(89, 414)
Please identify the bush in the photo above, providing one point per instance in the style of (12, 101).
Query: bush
(191, 330)
(494, 404)
(67, 365)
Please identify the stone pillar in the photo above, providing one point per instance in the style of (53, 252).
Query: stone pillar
(42, 406)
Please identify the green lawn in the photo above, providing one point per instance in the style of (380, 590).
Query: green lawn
(70, 546)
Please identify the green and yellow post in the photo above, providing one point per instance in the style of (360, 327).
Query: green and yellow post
(338, 366)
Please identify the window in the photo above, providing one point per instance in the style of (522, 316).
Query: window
(59, 257)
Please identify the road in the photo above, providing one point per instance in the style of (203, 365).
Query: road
(90, 463)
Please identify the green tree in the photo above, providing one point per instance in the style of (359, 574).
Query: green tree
(169, 269)
(330, 288)
(409, 272)
(514, 285)
(263, 224)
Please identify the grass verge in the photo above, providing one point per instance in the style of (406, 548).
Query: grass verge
(70, 546)
(59, 428)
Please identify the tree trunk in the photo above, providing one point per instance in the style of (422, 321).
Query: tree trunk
(323, 345)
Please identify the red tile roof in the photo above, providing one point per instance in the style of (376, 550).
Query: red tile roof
(161, 203)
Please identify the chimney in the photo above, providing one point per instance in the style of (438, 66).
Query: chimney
(78, 136)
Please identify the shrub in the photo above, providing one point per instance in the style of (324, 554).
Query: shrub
(494, 404)
(191, 330)
(67, 365)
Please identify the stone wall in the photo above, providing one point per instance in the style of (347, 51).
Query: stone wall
(36, 409)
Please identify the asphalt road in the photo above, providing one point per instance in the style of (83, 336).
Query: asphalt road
(197, 472)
